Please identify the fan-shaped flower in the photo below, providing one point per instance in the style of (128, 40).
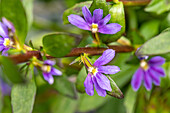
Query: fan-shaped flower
(148, 72)
(95, 23)
(95, 76)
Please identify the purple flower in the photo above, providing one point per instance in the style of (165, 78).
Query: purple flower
(148, 72)
(95, 76)
(49, 70)
(95, 23)
(5, 42)
(5, 88)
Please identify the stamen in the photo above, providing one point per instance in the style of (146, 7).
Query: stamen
(144, 65)
(8, 42)
(94, 28)
(46, 68)
(92, 70)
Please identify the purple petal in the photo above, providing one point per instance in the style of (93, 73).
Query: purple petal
(108, 69)
(97, 15)
(4, 52)
(110, 28)
(158, 70)
(106, 57)
(88, 84)
(55, 71)
(147, 81)
(155, 77)
(5, 88)
(137, 79)
(8, 24)
(87, 15)
(78, 21)
(1, 40)
(1, 47)
(100, 91)
(104, 21)
(49, 62)
(3, 30)
(103, 81)
(48, 77)
(157, 61)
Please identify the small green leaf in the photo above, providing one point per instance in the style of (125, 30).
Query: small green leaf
(117, 16)
(149, 29)
(76, 9)
(157, 45)
(65, 87)
(58, 44)
(28, 5)
(165, 23)
(116, 92)
(158, 6)
(22, 97)
(10, 70)
(80, 80)
(130, 99)
(14, 11)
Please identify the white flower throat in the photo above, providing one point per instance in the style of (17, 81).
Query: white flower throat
(94, 28)
(144, 65)
(46, 68)
(92, 70)
(8, 42)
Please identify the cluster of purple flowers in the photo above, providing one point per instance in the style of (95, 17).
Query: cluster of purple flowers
(6, 42)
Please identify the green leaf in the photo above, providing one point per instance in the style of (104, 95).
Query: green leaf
(65, 87)
(89, 103)
(14, 11)
(116, 92)
(22, 97)
(157, 45)
(151, 26)
(117, 16)
(64, 105)
(130, 100)
(10, 70)
(165, 81)
(165, 23)
(28, 5)
(80, 80)
(158, 6)
(58, 44)
(76, 9)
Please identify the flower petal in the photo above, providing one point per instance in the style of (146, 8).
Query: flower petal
(100, 91)
(88, 84)
(49, 62)
(48, 77)
(158, 70)
(1, 47)
(110, 28)
(87, 15)
(8, 24)
(157, 61)
(97, 15)
(106, 57)
(147, 81)
(3, 30)
(1, 40)
(108, 69)
(137, 79)
(103, 81)
(155, 77)
(78, 21)
(104, 21)
(4, 52)
(55, 71)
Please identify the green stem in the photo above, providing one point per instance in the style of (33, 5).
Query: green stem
(97, 38)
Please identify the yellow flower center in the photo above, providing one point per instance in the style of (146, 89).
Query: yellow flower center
(144, 65)
(8, 42)
(92, 70)
(46, 68)
(94, 28)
